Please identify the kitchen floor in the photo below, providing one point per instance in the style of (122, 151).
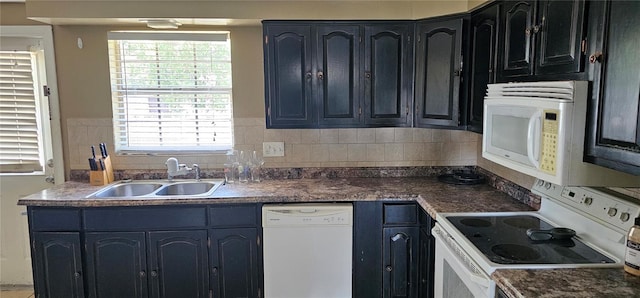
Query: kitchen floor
(16, 292)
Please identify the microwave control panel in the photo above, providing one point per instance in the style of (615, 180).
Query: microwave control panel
(550, 125)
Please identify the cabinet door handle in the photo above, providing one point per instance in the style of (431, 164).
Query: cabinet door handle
(320, 75)
(595, 57)
(367, 75)
(389, 268)
(214, 270)
(527, 31)
(308, 76)
(142, 274)
(457, 73)
(76, 275)
(154, 273)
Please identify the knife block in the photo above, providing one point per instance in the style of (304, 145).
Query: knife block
(103, 177)
(98, 178)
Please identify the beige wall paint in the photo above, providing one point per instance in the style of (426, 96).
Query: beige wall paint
(14, 14)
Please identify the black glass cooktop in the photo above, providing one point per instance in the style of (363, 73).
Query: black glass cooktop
(504, 240)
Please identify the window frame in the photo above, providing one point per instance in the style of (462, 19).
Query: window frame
(50, 108)
(169, 150)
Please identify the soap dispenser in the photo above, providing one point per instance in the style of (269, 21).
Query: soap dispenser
(632, 253)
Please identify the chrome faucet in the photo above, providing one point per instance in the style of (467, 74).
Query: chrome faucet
(196, 169)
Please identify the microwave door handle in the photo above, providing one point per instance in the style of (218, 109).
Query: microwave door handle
(533, 139)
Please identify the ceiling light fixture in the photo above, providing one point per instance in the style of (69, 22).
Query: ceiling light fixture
(162, 23)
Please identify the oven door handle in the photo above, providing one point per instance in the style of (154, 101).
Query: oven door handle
(475, 277)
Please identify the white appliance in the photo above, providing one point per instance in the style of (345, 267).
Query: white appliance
(308, 250)
(537, 128)
(471, 246)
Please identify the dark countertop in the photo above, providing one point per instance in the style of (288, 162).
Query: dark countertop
(610, 283)
(434, 196)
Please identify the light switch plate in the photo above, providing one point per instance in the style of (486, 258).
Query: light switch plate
(272, 149)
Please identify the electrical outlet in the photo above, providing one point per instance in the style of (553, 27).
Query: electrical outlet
(272, 149)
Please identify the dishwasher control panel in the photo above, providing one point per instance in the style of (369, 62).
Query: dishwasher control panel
(304, 214)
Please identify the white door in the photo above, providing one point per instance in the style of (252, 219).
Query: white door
(15, 258)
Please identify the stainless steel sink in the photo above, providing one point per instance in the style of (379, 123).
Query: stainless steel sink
(158, 189)
(128, 190)
(186, 188)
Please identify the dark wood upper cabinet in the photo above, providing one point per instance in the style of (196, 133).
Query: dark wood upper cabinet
(288, 76)
(613, 125)
(438, 72)
(388, 59)
(541, 38)
(337, 73)
(484, 43)
(559, 39)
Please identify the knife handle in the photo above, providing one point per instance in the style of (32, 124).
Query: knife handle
(93, 151)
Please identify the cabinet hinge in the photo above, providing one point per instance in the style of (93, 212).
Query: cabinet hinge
(259, 293)
(208, 242)
(359, 111)
(258, 240)
(583, 46)
(408, 38)
(360, 39)
(210, 293)
(269, 111)
(266, 39)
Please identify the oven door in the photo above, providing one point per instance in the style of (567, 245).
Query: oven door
(456, 274)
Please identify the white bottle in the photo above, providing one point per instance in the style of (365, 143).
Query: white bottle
(632, 254)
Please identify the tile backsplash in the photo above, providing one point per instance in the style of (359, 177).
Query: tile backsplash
(358, 147)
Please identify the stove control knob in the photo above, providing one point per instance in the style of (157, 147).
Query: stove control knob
(612, 211)
(547, 185)
(624, 216)
(588, 201)
(540, 182)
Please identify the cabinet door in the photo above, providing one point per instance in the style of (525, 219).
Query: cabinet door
(400, 248)
(484, 38)
(178, 264)
(234, 262)
(288, 76)
(116, 264)
(57, 264)
(438, 71)
(426, 255)
(559, 39)
(516, 50)
(367, 249)
(337, 75)
(613, 138)
(388, 74)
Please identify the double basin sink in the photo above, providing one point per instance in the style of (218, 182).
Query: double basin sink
(158, 189)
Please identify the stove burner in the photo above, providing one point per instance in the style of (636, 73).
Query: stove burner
(522, 222)
(476, 222)
(515, 252)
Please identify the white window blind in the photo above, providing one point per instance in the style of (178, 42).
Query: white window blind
(19, 126)
(171, 91)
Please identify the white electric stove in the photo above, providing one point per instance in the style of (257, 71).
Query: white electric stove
(470, 246)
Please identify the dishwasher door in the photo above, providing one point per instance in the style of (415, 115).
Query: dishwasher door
(308, 250)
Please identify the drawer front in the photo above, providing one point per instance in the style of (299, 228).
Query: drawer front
(233, 216)
(54, 219)
(400, 214)
(138, 218)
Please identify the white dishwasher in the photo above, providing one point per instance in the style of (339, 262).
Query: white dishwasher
(307, 250)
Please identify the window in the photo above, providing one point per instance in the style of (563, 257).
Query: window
(171, 91)
(21, 131)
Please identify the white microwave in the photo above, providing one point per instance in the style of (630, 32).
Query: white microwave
(538, 128)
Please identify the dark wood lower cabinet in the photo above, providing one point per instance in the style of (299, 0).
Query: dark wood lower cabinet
(178, 264)
(234, 262)
(116, 264)
(400, 249)
(57, 260)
